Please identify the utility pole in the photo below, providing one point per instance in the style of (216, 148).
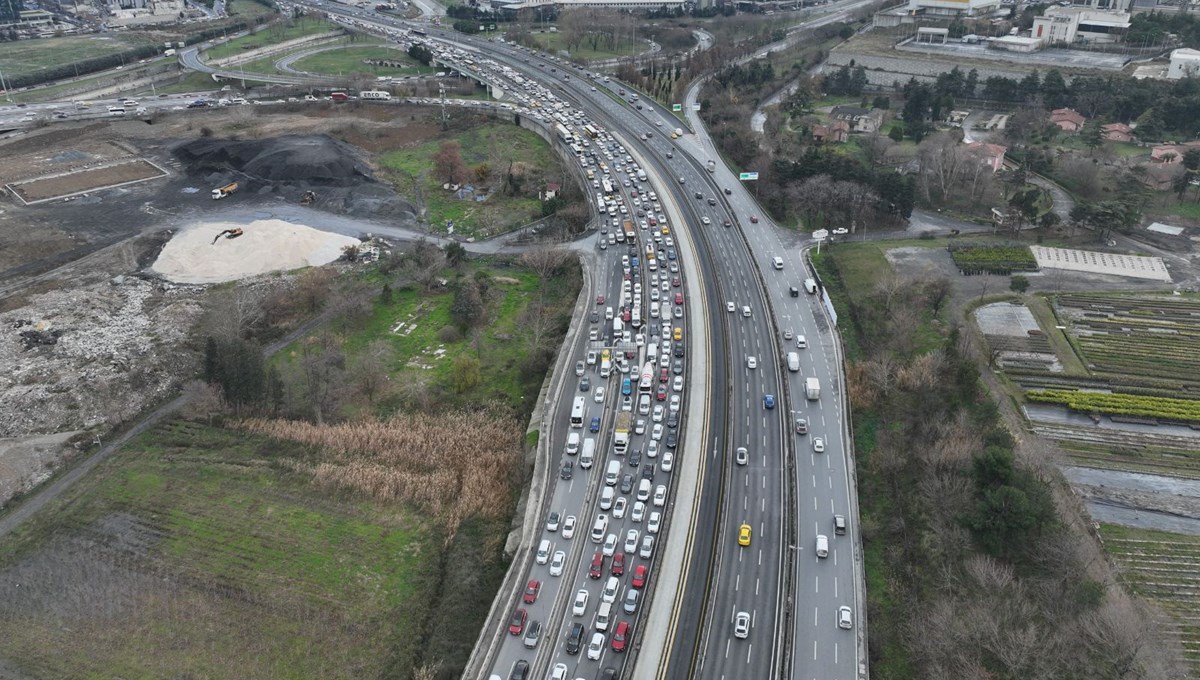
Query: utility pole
(442, 96)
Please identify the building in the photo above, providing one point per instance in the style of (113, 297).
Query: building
(838, 131)
(1117, 132)
(1114, 5)
(991, 155)
(951, 8)
(1184, 63)
(1066, 25)
(1168, 154)
(609, 4)
(141, 12)
(860, 119)
(1068, 120)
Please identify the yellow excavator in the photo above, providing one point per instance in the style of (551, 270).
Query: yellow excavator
(228, 233)
(308, 197)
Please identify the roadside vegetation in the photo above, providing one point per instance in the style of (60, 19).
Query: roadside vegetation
(278, 32)
(977, 560)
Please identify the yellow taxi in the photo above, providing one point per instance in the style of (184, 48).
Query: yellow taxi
(678, 334)
(666, 231)
(744, 535)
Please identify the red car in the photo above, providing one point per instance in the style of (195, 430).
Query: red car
(675, 282)
(626, 316)
(621, 636)
(600, 299)
(639, 576)
(531, 591)
(664, 374)
(754, 219)
(679, 298)
(653, 222)
(618, 564)
(516, 625)
(661, 394)
(597, 566)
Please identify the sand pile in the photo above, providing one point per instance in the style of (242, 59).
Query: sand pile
(264, 246)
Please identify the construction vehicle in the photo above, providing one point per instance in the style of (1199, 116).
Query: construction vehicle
(228, 233)
(308, 197)
(222, 192)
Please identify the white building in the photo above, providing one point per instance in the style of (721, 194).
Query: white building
(1114, 5)
(142, 12)
(952, 8)
(1066, 25)
(606, 4)
(1184, 63)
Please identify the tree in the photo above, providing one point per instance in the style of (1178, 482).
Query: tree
(1006, 518)
(467, 307)
(1092, 136)
(465, 373)
(1018, 283)
(455, 253)
(448, 163)
(1054, 90)
(371, 372)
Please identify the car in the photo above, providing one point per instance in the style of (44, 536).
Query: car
(678, 334)
(552, 522)
(768, 401)
(741, 625)
(648, 471)
(647, 549)
(677, 367)
(660, 393)
(679, 298)
(801, 426)
(627, 483)
(639, 426)
(574, 640)
(839, 525)
(677, 312)
(580, 368)
(631, 540)
(672, 440)
(699, 195)
(673, 420)
(520, 670)
(728, 192)
(653, 522)
(618, 565)
(599, 395)
(610, 545)
(618, 509)
(677, 384)
(516, 625)
(754, 219)
(568, 527)
(667, 462)
(621, 634)
(560, 670)
(744, 535)
(594, 426)
(531, 591)
(591, 358)
(660, 495)
(640, 574)
(845, 620)
(676, 282)
(729, 307)
(675, 400)
(658, 413)
(557, 563)
(568, 470)
(597, 567)
(678, 350)
(638, 513)
(600, 299)
(579, 606)
(704, 220)
(635, 458)
(819, 444)
(652, 449)
(787, 334)
(596, 646)
(657, 433)
(627, 404)
(751, 362)
(533, 633)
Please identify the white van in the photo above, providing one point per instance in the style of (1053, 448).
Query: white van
(822, 546)
(606, 498)
(543, 551)
(801, 342)
(644, 405)
(612, 473)
(599, 528)
(810, 285)
(572, 443)
(793, 361)
(589, 453)
(645, 488)
(603, 616)
(746, 311)
(777, 262)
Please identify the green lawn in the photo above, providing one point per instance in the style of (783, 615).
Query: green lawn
(553, 42)
(195, 553)
(191, 82)
(247, 9)
(497, 143)
(272, 35)
(24, 57)
(351, 58)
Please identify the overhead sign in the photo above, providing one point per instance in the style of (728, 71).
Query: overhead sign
(821, 234)
(747, 176)
(676, 107)
(696, 106)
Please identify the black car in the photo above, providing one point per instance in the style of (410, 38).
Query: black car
(595, 317)
(672, 440)
(699, 195)
(678, 351)
(728, 192)
(575, 639)
(609, 674)
(673, 420)
(520, 671)
(585, 384)
(568, 469)
(648, 471)
(635, 458)
(627, 483)
(677, 368)
(712, 201)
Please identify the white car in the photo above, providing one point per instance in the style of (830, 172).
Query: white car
(560, 669)
(675, 400)
(653, 522)
(742, 455)
(647, 550)
(668, 461)
(729, 307)
(618, 509)
(627, 404)
(638, 513)
(591, 357)
(741, 625)
(596, 647)
(610, 545)
(557, 562)
(652, 449)
(818, 444)
(657, 433)
(845, 619)
(705, 220)
(639, 427)
(659, 412)
(599, 395)
(579, 607)
(631, 541)
(660, 495)
(568, 527)
(677, 384)
(751, 363)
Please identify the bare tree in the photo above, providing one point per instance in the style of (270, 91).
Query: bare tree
(875, 147)
(234, 313)
(372, 370)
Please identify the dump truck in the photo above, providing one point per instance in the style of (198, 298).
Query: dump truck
(812, 388)
(621, 432)
(630, 231)
(222, 192)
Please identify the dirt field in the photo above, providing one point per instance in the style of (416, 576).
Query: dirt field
(50, 188)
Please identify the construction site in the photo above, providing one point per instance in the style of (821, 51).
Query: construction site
(111, 234)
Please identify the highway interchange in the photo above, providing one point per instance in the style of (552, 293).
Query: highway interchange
(721, 348)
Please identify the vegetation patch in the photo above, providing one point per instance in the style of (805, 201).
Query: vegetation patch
(28, 57)
(1178, 410)
(374, 60)
(992, 259)
(274, 34)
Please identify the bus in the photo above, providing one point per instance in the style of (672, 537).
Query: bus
(646, 385)
(578, 151)
(577, 412)
(563, 133)
(607, 186)
(591, 131)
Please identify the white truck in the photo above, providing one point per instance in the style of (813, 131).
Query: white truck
(812, 388)
(377, 95)
(621, 432)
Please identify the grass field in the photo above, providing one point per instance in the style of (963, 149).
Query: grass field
(195, 552)
(24, 57)
(496, 144)
(191, 82)
(272, 35)
(553, 42)
(351, 58)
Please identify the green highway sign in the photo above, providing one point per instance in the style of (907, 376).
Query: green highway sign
(676, 107)
(747, 176)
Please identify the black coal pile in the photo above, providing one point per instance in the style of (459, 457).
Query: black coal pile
(32, 337)
(292, 165)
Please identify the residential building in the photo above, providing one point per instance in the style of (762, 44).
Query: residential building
(860, 119)
(1169, 154)
(838, 131)
(1066, 25)
(991, 155)
(1068, 120)
(1185, 62)
(1117, 132)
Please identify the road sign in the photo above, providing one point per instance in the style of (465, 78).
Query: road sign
(821, 234)
(696, 106)
(747, 176)
(677, 107)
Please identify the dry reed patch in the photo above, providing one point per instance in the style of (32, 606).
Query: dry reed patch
(452, 465)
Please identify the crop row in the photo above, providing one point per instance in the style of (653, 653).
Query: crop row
(994, 259)
(1187, 410)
